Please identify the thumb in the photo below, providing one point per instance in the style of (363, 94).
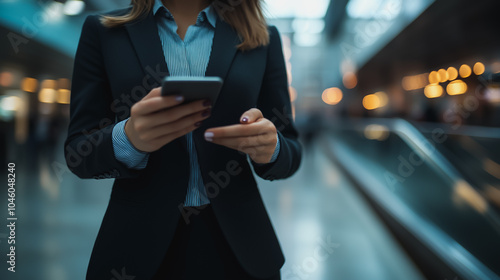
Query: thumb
(251, 116)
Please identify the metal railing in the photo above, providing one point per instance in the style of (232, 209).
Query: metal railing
(430, 235)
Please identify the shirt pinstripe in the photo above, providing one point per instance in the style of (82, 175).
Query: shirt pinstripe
(184, 58)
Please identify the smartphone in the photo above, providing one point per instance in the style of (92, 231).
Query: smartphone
(192, 88)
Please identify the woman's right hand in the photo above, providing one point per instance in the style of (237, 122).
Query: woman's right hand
(156, 120)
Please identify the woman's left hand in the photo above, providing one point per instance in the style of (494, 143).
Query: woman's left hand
(254, 135)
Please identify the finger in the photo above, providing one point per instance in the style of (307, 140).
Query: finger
(161, 140)
(236, 130)
(173, 114)
(239, 143)
(256, 151)
(252, 151)
(179, 125)
(251, 116)
(155, 103)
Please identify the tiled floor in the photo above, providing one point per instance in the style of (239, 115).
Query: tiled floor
(318, 205)
(326, 229)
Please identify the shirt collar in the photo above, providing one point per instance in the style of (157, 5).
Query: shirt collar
(158, 5)
(208, 13)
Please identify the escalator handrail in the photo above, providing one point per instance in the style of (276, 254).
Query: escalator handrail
(440, 242)
(461, 130)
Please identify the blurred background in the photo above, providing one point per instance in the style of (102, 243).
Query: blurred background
(398, 105)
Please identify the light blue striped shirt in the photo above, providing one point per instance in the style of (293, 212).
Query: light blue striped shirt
(184, 58)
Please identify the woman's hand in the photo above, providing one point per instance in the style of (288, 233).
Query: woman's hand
(255, 136)
(157, 120)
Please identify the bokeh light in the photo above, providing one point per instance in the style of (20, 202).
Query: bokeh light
(63, 96)
(6, 79)
(350, 80)
(47, 95)
(452, 73)
(442, 75)
(434, 77)
(465, 71)
(376, 132)
(479, 68)
(371, 102)
(29, 84)
(332, 96)
(433, 91)
(456, 87)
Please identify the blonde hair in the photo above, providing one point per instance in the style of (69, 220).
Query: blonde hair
(244, 16)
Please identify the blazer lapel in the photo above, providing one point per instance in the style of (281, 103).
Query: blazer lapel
(148, 47)
(147, 44)
(223, 49)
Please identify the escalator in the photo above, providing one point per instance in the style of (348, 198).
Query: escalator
(437, 189)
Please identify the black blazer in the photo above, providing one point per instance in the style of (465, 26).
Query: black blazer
(116, 67)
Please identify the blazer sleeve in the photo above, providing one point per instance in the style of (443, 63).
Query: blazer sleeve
(88, 148)
(274, 102)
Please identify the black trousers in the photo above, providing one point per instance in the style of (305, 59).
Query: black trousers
(200, 251)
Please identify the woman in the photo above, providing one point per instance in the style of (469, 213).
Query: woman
(184, 204)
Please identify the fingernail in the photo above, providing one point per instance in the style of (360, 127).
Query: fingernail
(179, 98)
(197, 124)
(205, 113)
(245, 119)
(207, 103)
(209, 136)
